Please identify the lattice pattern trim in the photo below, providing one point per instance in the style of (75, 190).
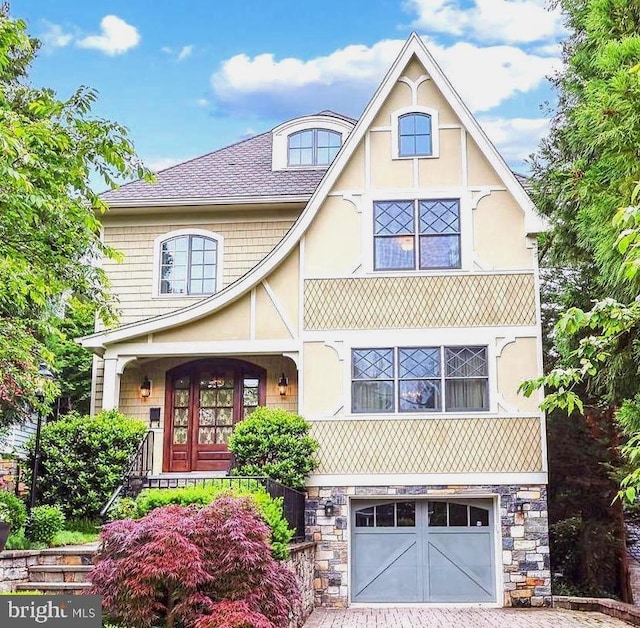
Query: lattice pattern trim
(407, 302)
(488, 445)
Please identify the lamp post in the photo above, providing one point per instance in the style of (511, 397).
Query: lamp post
(44, 374)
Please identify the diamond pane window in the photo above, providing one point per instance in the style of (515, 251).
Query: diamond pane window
(466, 378)
(313, 147)
(440, 233)
(414, 135)
(421, 379)
(394, 235)
(188, 265)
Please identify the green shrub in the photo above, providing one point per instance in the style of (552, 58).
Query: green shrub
(14, 510)
(83, 459)
(275, 443)
(43, 523)
(17, 541)
(270, 509)
(124, 508)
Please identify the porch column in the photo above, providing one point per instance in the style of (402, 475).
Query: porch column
(111, 384)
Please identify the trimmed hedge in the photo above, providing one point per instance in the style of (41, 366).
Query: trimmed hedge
(83, 459)
(270, 509)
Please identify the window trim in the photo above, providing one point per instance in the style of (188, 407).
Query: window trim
(395, 131)
(417, 115)
(442, 410)
(157, 261)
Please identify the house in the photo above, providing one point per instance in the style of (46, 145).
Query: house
(383, 273)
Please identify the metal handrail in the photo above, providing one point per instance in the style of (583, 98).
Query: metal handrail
(136, 460)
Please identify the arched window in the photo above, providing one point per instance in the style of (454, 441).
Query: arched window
(414, 135)
(313, 147)
(189, 264)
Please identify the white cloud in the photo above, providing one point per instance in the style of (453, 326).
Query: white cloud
(202, 102)
(156, 164)
(185, 52)
(515, 138)
(344, 80)
(166, 50)
(55, 36)
(501, 21)
(116, 36)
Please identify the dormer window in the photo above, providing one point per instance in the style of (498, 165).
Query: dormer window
(414, 135)
(188, 263)
(313, 147)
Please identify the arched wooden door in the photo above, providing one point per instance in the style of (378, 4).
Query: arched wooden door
(203, 401)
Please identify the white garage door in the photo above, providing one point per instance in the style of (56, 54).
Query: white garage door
(423, 551)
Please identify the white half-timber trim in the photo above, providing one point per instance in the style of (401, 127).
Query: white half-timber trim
(426, 479)
(413, 47)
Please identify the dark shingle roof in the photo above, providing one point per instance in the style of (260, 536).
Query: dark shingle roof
(236, 171)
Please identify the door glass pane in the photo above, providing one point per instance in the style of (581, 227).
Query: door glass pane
(224, 416)
(364, 518)
(250, 396)
(385, 516)
(437, 513)
(406, 514)
(223, 434)
(180, 417)
(179, 435)
(207, 416)
(478, 517)
(225, 397)
(458, 515)
(206, 436)
(207, 398)
(181, 398)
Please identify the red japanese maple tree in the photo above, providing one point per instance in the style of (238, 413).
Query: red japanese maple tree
(186, 566)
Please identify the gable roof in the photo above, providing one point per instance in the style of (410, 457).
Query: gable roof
(413, 46)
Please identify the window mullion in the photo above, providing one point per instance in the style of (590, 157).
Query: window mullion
(443, 380)
(188, 273)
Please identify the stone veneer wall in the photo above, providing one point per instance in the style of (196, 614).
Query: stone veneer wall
(14, 567)
(302, 562)
(525, 538)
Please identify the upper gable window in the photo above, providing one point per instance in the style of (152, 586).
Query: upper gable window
(313, 147)
(414, 135)
(415, 132)
(416, 234)
(188, 263)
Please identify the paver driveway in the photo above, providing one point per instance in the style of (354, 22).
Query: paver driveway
(459, 618)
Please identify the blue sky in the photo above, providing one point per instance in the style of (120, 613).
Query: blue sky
(190, 77)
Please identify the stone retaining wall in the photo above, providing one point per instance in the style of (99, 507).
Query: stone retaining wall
(524, 533)
(302, 562)
(14, 567)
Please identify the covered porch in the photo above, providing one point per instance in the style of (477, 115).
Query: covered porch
(191, 403)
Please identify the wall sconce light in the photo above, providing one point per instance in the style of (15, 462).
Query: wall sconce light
(328, 508)
(519, 505)
(145, 389)
(283, 383)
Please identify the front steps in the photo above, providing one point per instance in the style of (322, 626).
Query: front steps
(61, 570)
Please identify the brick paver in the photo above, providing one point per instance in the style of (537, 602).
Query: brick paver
(459, 618)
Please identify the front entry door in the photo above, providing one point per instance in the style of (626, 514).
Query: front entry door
(204, 401)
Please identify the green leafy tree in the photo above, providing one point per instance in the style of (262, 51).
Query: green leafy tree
(49, 227)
